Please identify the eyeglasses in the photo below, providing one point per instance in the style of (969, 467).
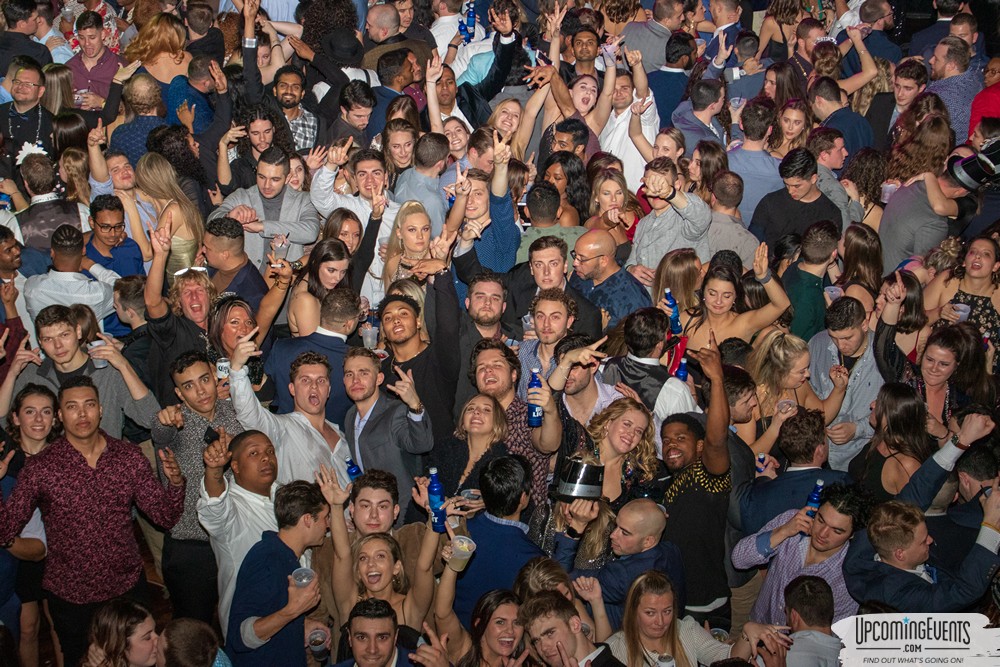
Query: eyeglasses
(19, 82)
(993, 71)
(583, 260)
(110, 228)
(178, 274)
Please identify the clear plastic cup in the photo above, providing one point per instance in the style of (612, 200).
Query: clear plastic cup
(281, 251)
(78, 96)
(98, 363)
(888, 190)
(303, 576)
(462, 549)
(720, 635)
(369, 336)
(785, 405)
(833, 292)
(963, 310)
(318, 639)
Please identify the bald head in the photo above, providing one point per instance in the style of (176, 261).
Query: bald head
(383, 22)
(641, 523)
(595, 256)
(142, 93)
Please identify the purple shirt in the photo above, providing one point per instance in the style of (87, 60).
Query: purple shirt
(787, 561)
(93, 555)
(98, 79)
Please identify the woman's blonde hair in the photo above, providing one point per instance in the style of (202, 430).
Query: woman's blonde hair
(74, 163)
(630, 206)
(165, 33)
(771, 361)
(642, 458)
(400, 583)
(678, 270)
(826, 59)
(499, 433)
(157, 179)
(492, 120)
(651, 582)
(882, 83)
(395, 247)
(58, 93)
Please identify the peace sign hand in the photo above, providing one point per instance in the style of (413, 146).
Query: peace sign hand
(379, 201)
(171, 469)
(245, 348)
(434, 653)
(501, 149)
(463, 186)
(639, 106)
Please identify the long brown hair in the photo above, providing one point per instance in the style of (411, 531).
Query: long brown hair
(862, 258)
(678, 270)
(651, 582)
(112, 628)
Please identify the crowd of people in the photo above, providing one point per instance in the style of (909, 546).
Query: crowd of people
(494, 333)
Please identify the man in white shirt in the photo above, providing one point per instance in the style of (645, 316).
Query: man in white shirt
(446, 24)
(615, 137)
(64, 284)
(235, 512)
(304, 439)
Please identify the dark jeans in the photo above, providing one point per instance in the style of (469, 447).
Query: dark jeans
(190, 573)
(72, 621)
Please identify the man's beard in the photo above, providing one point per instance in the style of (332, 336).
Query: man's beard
(284, 103)
(485, 321)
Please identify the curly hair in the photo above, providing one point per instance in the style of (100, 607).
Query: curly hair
(867, 169)
(231, 26)
(324, 16)
(642, 458)
(619, 11)
(171, 141)
(926, 149)
(923, 105)
(882, 83)
(282, 135)
(577, 192)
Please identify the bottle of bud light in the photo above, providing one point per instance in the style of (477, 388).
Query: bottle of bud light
(675, 315)
(814, 498)
(682, 370)
(435, 494)
(534, 411)
(353, 469)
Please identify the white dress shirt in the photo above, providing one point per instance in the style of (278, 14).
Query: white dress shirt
(68, 288)
(299, 447)
(444, 30)
(615, 140)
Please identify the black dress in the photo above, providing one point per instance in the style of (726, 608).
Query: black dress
(451, 456)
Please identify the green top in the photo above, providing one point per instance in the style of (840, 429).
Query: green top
(805, 291)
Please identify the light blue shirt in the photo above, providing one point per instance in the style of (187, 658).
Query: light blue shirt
(759, 171)
(61, 53)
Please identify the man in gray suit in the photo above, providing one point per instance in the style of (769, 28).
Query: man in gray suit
(271, 208)
(381, 432)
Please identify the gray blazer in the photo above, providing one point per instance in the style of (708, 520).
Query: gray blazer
(393, 442)
(298, 219)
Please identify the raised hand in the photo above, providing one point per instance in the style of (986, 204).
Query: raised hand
(539, 75)
(565, 658)
(435, 652)
(432, 73)
(98, 135)
(658, 185)
(974, 427)
(316, 157)
(800, 523)
(379, 201)
(585, 356)
(250, 9)
(171, 416)
(639, 106)
(580, 513)
(171, 469)
(5, 463)
(338, 155)
(328, 484)
(25, 356)
(441, 246)
(217, 454)
(760, 267)
(463, 186)
(161, 237)
(219, 77)
(710, 359)
(302, 50)
(8, 294)
(185, 114)
(725, 50)
(245, 348)
(501, 149)
(633, 58)
(405, 388)
(501, 22)
(587, 588)
(473, 229)
(125, 72)
(555, 19)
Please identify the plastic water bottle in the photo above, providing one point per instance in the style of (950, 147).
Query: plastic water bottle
(682, 370)
(534, 411)
(675, 316)
(470, 23)
(435, 494)
(813, 502)
(353, 469)
(761, 466)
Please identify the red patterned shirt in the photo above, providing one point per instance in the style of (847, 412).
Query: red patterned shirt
(92, 552)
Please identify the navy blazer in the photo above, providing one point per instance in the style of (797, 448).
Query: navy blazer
(617, 576)
(767, 498)
(279, 362)
(868, 579)
(732, 32)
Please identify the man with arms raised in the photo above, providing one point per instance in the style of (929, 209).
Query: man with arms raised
(554, 628)
(93, 556)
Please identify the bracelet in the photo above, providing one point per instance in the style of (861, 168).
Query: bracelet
(766, 279)
(249, 42)
(453, 46)
(282, 285)
(990, 526)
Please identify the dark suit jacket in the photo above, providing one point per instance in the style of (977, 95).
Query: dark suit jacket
(280, 360)
(767, 498)
(879, 116)
(393, 442)
(954, 533)
(521, 289)
(732, 32)
(474, 100)
(868, 579)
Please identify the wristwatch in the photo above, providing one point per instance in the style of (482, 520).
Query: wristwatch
(296, 265)
(573, 533)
